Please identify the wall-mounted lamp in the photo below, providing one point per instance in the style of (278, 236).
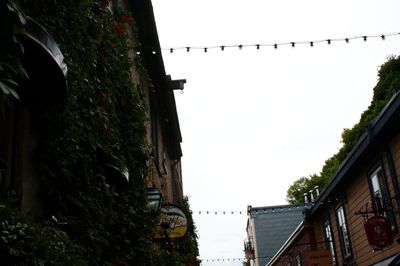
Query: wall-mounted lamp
(154, 200)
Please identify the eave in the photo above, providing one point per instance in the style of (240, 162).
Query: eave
(150, 52)
(379, 130)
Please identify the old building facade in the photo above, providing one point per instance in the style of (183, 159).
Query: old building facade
(355, 220)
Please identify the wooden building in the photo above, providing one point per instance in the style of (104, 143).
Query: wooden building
(355, 220)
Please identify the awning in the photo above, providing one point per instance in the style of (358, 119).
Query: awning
(391, 261)
(44, 63)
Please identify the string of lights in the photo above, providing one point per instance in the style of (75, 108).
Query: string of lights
(259, 210)
(275, 45)
(231, 259)
(220, 212)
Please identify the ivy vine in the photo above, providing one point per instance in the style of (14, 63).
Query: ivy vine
(87, 221)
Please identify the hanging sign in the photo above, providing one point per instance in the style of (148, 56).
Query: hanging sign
(379, 232)
(173, 223)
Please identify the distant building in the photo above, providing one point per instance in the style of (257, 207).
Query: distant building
(267, 230)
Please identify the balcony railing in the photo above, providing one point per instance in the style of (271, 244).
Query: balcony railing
(248, 250)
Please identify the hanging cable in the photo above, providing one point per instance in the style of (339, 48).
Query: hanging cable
(293, 44)
(219, 212)
(218, 260)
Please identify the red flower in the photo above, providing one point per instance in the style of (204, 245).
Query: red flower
(118, 261)
(127, 19)
(105, 4)
(119, 28)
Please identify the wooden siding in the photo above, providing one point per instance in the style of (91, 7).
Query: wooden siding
(301, 246)
(355, 195)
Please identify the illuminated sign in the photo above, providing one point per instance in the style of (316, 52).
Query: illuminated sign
(173, 223)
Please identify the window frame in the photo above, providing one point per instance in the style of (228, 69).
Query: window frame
(329, 243)
(346, 248)
(298, 260)
(385, 193)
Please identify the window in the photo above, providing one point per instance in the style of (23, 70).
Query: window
(329, 239)
(380, 195)
(343, 232)
(298, 260)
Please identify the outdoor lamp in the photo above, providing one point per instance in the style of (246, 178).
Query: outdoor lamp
(154, 200)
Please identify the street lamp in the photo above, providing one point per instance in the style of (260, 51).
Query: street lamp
(154, 200)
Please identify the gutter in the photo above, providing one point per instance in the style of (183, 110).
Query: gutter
(150, 52)
(379, 127)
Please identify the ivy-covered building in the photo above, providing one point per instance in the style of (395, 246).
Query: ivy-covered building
(88, 122)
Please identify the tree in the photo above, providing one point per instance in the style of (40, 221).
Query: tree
(295, 193)
(388, 84)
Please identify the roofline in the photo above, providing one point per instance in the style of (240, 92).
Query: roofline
(143, 14)
(268, 209)
(377, 127)
(300, 228)
(276, 206)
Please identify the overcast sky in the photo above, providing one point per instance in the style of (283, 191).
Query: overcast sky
(253, 121)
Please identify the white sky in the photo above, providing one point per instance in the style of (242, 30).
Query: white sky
(255, 121)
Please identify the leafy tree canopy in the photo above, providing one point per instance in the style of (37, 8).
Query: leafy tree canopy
(388, 84)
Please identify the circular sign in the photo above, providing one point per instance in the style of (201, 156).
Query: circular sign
(173, 223)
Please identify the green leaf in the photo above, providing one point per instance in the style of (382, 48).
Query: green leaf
(15, 94)
(10, 81)
(4, 88)
(21, 70)
(7, 89)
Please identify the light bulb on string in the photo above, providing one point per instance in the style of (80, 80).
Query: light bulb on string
(155, 50)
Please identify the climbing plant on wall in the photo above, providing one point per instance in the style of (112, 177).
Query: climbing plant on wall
(102, 109)
(12, 19)
(87, 219)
